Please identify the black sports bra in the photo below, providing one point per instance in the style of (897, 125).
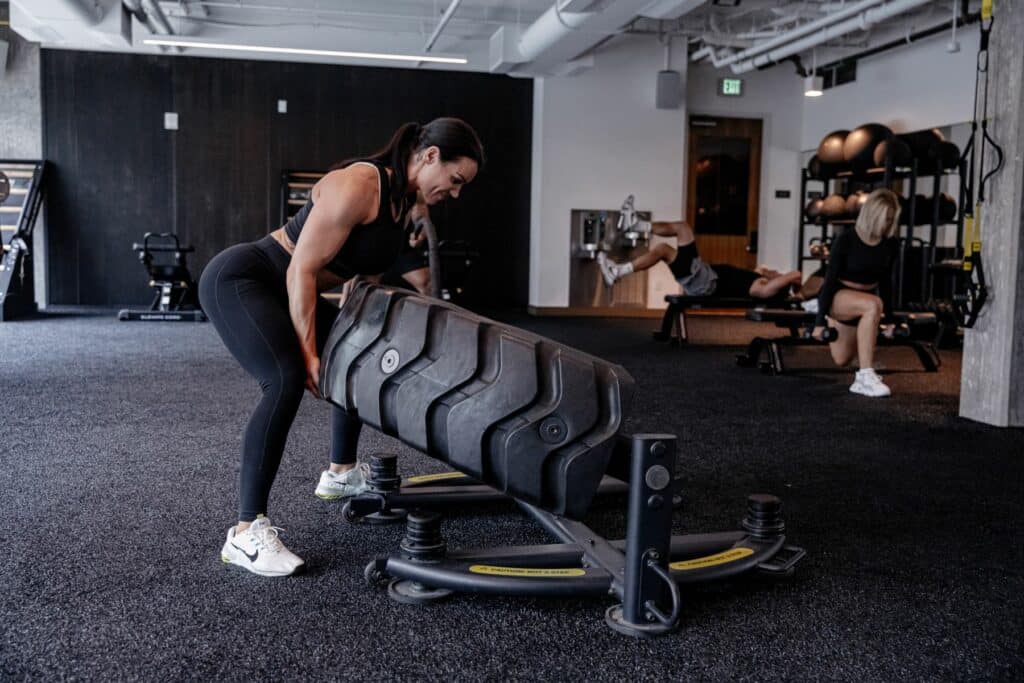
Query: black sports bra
(371, 247)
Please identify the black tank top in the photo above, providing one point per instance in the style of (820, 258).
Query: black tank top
(370, 247)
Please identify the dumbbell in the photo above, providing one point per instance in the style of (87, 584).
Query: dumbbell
(829, 334)
(901, 330)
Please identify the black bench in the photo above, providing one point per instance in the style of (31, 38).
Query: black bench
(673, 323)
(541, 422)
(800, 323)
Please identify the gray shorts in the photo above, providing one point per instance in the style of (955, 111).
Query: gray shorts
(701, 281)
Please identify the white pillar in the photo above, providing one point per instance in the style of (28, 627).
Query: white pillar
(992, 379)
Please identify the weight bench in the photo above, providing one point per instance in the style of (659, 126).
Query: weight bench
(673, 323)
(539, 422)
(801, 323)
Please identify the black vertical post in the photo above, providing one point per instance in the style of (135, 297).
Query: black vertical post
(927, 279)
(649, 603)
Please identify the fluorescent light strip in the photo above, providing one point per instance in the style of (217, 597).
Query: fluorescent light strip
(302, 51)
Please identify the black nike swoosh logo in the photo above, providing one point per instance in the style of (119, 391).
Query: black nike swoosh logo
(252, 558)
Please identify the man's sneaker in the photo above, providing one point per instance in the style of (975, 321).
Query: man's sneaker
(868, 383)
(259, 549)
(607, 268)
(334, 486)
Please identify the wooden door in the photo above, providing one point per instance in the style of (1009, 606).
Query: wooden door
(723, 187)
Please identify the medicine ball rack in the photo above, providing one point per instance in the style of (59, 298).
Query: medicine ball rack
(896, 178)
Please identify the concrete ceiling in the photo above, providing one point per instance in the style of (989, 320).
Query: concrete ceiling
(521, 37)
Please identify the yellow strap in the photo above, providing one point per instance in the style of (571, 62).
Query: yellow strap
(968, 236)
(986, 9)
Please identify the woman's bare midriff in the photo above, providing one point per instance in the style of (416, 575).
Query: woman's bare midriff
(859, 286)
(324, 279)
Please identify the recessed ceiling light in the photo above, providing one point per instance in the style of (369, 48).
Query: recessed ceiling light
(305, 51)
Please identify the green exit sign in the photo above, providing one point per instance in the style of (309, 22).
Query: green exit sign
(730, 87)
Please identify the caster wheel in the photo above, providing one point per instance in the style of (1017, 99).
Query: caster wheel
(413, 593)
(744, 361)
(350, 515)
(375, 576)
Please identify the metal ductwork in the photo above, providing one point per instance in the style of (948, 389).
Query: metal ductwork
(148, 12)
(564, 33)
(861, 21)
(810, 27)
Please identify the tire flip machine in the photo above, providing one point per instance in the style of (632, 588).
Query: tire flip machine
(539, 422)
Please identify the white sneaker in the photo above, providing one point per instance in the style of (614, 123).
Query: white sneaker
(259, 550)
(607, 268)
(868, 383)
(334, 486)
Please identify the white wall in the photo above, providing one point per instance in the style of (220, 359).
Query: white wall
(598, 137)
(906, 88)
(776, 97)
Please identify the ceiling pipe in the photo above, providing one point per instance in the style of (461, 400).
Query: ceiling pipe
(860, 22)
(149, 19)
(549, 28)
(797, 33)
(445, 18)
(158, 17)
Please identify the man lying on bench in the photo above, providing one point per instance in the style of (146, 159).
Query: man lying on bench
(696, 277)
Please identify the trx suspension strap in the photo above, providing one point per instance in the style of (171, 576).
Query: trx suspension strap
(969, 298)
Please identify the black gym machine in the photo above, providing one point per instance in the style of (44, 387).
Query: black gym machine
(538, 422)
(22, 184)
(165, 260)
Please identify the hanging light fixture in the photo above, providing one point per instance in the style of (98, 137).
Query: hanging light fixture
(814, 85)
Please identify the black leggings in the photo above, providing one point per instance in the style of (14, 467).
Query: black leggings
(243, 292)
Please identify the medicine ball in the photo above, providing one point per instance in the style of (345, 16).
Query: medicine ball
(921, 141)
(947, 208)
(900, 150)
(854, 202)
(819, 170)
(941, 156)
(830, 150)
(834, 206)
(859, 145)
(813, 210)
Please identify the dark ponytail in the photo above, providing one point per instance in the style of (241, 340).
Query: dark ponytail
(454, 137)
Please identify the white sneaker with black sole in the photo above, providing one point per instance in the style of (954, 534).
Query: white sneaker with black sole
(260, 550)
(334, 486)
(868, 383)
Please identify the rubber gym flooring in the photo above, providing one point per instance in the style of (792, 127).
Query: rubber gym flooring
(118, 458)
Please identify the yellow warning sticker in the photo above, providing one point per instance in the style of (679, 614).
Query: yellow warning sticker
(531, 572)
(712, 560)
(435, 477)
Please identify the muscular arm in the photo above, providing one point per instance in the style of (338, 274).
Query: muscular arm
(837, 256)
(419, 216)
(885, 281)
(347, 198)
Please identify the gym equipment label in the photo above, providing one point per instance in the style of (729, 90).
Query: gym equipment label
(712, 560)
(532, 572)
(435, 477)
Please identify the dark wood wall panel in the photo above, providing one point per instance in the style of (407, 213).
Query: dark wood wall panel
(215, 181)
(103, 129)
